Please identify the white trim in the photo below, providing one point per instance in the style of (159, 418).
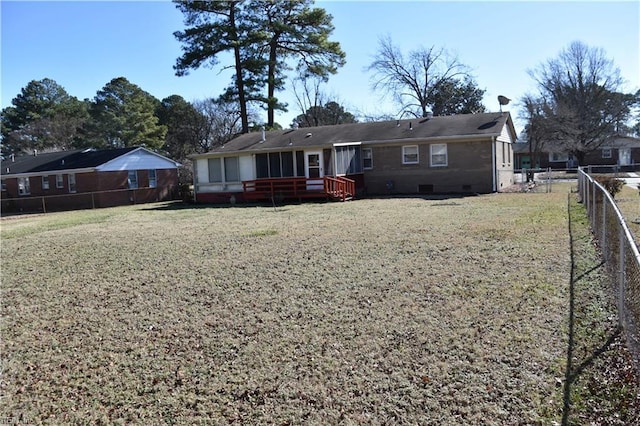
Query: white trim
(346, 144)
(417, 154)
(446, 155)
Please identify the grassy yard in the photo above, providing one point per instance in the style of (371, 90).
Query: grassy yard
(381, 311)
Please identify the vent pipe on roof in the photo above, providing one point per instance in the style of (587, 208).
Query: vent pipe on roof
(35, 152)
(13, 158)
(410, 125)
(397, 123)
(264, 136)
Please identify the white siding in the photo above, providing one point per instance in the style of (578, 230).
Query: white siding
(139, 159)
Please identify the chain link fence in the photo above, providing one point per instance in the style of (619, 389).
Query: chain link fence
(620, 253)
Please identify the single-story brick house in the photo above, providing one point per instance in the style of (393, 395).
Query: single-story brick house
(467, 153)
(89, 178)
(621, 150)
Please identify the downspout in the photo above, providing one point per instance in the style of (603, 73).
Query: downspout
(494, 166)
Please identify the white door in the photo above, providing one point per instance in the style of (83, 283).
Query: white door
(313, 170)
(624, 156)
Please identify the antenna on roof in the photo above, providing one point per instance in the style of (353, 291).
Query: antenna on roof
(503, 100)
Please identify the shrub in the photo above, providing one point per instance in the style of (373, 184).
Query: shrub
(611, 184)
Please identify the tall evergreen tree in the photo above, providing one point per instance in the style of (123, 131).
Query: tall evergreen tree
(124, 115)
(43, 117)
(214, 27)
(262, 35)
(293, 29)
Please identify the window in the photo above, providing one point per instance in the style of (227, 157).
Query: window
(215, 170)
(59, 181)
(439, 155)
(152, 178)
(23, 186)
(45, 182)
(231, 169)
(72, 182)
(556, 156)
(348, 160)
(606, 152)
(277, 164)
(410, 154)
(367, 158)
(132, 180)
(4, 185)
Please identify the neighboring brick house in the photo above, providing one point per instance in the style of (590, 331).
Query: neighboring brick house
(89, 178)
(621, 151)
(467, 153)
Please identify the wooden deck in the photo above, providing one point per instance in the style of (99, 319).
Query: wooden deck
(327, 187)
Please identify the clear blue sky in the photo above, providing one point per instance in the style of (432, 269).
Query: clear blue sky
(82, 45)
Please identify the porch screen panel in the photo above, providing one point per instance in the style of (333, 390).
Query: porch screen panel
(349, 160)
(262, 166)
(287, 164)
(275, 169)
(328, 162)
(215, 170)
(231, 169)
(300, 163)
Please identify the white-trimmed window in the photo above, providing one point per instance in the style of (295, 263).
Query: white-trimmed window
(72, 182)
(45, 182)
(606, 152)
(438, 155)
(24, 188)
(367, 158)
(132, 179)
(152, 178)
(410, 154)
(4, 185)
(59, 181)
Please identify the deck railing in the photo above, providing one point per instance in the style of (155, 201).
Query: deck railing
(299, 187)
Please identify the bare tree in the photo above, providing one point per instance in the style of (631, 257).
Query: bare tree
(534, 112)
(416, 82)
(582, 88)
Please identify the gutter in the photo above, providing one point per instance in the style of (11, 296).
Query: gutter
(494, 167)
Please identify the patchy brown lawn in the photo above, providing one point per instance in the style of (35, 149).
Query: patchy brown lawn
(405, 311)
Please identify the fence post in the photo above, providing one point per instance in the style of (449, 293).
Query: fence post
(44, 207)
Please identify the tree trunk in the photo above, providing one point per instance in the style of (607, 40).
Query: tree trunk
(239, 78)
(271, 82)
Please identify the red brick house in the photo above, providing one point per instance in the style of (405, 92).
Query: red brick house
(89, 178)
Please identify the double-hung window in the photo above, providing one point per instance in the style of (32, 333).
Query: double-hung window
(24, 188)
(367, 158)
(215, 170)
(59, 181)
(45, 182)
(606, 152)
(132, 179)
(152, 178)
(72, 182)
(410, 154)
(438, 155)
